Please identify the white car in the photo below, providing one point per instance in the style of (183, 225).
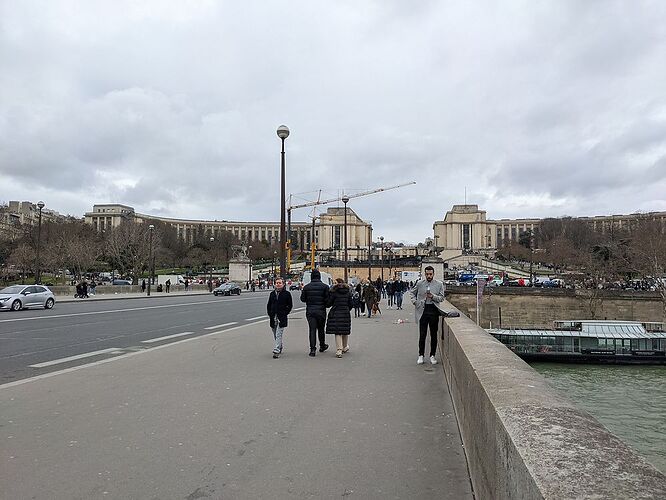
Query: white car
(17, 297)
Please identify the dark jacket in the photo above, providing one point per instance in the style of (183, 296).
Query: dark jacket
(315, 296)
(279, 306)
(339, 317)
(370, 294)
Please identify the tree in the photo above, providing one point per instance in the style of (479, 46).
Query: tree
(128, 248)
(647, 253)
(23, 257)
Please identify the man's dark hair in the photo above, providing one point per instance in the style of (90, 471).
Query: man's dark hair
(429, 268)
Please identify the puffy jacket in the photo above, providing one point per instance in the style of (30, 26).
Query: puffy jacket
(339, 317)
(278, 307)
(315, 296)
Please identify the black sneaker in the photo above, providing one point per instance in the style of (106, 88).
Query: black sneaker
(322, 348)
(313, 352)
(276, 355)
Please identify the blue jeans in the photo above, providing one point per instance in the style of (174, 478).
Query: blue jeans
(278, 331)
(398, 299)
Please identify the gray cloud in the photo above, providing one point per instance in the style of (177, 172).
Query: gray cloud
(538, 109)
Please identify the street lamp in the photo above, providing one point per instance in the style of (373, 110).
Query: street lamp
(212, 240)
(283, 133)
(345, 200)
(369, 253)
(249, 267)
(381, 252)
(273, 273)
(38, 264)
(151, 228)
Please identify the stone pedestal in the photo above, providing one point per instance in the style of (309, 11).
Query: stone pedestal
(240, 271)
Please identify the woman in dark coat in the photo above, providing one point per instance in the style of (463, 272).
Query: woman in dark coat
(339, 318)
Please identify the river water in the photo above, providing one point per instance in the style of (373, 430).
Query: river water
(629, 400)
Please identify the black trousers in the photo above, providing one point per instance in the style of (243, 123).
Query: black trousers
(430, 318)
(316, 324)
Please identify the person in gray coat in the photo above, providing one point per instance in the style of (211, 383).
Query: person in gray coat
(425, 294)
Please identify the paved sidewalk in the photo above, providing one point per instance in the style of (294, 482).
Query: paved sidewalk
(217, 417)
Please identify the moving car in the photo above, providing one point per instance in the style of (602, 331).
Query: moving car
(228, 288)
(17, 297)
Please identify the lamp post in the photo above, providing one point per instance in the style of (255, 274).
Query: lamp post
(38, 264)
(212, 241)
(345, 200)
(369, 253)
(283, 133)
(273, 273)
(249, 267)
(151, 228)
(381, 257)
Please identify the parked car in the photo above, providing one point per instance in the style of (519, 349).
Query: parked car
(228, 288)
(17, 297)
(122, 282)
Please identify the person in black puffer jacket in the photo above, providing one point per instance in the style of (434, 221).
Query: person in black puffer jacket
(315, 296)
(339, 318)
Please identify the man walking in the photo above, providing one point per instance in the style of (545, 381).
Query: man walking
(398, 290)
(315, 295)
(425, 294)
(278, 309)
(370, 296)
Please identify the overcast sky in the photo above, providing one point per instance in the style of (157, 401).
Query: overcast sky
(539, 108)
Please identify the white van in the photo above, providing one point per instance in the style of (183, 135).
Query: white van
(325, 278)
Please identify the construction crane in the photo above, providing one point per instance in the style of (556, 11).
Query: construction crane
(325, 202)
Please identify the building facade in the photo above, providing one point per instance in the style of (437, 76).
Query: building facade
(466, 230)
(17, 215)
(328, 229)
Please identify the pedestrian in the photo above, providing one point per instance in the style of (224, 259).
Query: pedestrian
(359, 290)
(210, 285)
(93, 288)
(425, 294)
(339, 318)
(370, 296)
(278, 309)
(389, 293)
(398, 290)
(143, 286)
(84, 287)
(186, 283)
(315, 296)
(168, 285)
(356, 301)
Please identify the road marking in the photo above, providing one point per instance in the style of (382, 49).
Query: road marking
(150, 341)
(122, 356)
(189, 304)
(256, 318)
(78, 356)
(221, 326)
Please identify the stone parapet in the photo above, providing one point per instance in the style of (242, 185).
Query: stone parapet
(524, 439)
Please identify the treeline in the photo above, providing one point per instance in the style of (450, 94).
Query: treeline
(77, 247)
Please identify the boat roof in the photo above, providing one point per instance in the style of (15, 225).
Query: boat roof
(623, 331)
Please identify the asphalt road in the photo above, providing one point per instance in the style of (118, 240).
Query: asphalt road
(37, 341)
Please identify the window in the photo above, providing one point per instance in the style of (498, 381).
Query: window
(467, 233)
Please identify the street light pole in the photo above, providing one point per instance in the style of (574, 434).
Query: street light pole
(38, 265)
(283, 133)
(345, 200)
(151, 228)
(212, 241)
(273, 274)
(369, 253)
(249, 267)
(381, 251)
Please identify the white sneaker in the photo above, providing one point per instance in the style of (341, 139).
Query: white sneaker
(433, 360)
(420, 360)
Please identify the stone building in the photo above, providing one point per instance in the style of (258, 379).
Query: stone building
(328, 229)
(466, 230)
(17, 215)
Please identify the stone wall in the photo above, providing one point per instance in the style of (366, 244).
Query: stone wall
(539, 307)
(525, 440)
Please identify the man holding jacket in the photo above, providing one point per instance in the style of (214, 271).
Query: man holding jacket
(425, 294)
(278, 309)
(315, 294)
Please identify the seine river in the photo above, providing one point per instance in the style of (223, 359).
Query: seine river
(629, 400)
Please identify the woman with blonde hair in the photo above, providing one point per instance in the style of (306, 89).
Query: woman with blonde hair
(339, 318)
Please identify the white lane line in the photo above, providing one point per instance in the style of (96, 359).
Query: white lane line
(221, 326)
(78, 356)
(123, 356)
(256, 318)
(150, 341)
(189, 304)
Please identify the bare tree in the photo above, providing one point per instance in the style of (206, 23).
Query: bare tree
(128, 248)
(647, 253)
(23, 257)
